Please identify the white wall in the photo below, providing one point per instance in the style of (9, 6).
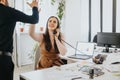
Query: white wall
(77, 19)
(118, 16)
(72, 21)
(11, 3)
(107, 15)
(95, 19)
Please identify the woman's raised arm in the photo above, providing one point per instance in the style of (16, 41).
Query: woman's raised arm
(36, 36)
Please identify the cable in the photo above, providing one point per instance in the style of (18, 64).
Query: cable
(54, 32)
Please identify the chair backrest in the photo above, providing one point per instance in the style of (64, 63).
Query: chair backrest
(95, 39)
(37, 56)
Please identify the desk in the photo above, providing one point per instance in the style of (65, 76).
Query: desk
(69, 71)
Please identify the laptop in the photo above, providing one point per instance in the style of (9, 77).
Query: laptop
(84, 50)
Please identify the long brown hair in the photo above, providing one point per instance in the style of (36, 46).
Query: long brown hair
(48, 44)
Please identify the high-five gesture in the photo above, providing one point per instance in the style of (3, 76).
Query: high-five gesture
(33, 4)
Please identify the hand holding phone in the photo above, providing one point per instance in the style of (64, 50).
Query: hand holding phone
(56, 32)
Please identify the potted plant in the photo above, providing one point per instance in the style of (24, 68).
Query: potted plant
(61, 9)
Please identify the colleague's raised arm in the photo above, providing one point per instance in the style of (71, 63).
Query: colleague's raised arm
(8, 18)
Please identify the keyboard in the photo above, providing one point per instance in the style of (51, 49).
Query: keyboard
(83, 57)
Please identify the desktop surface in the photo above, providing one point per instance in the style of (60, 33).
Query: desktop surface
(73, 70)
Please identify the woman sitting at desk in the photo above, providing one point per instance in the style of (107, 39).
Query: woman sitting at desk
(51, 44)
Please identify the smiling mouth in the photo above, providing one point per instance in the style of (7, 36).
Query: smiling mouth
(52, 26)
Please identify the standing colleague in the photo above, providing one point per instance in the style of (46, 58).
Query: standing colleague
(51, 44)
(8, 18)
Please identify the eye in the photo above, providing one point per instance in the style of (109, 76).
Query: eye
(50, 20)
(54, 21)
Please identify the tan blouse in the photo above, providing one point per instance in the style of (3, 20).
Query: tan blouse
(48, 59)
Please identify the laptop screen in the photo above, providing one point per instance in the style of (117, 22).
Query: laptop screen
(85, 48)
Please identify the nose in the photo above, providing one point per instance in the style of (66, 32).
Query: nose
(52, 24)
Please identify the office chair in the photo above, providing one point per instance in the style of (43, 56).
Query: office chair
(37, 55)
(64, 61)
(95, 39)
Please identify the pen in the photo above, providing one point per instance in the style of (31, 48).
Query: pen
(76, 78)
(115, 63)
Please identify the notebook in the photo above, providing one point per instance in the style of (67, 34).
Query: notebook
(84, 50)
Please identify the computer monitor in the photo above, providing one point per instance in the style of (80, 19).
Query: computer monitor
(108, 40)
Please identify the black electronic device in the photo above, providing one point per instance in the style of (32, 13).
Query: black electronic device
(91, 71)
(54, 32)
(107, 39)
(115, 63)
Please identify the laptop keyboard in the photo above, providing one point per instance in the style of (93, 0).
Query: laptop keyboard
(84, 57)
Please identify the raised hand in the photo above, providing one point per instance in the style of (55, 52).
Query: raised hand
(33, 4)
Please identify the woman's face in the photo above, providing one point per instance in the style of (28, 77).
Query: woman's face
(52, 23)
